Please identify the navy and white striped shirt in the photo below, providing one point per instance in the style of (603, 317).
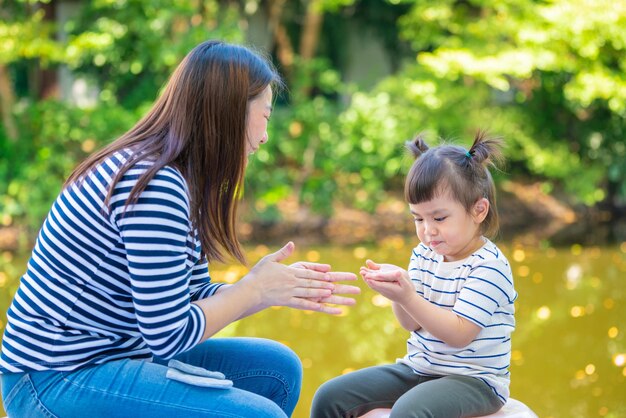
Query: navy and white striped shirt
(109, 283)
(480, 289)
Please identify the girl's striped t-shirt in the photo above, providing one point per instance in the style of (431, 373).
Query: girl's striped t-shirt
(105, 283)
(480, 289)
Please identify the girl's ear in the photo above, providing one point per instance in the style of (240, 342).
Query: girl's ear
(480, 210)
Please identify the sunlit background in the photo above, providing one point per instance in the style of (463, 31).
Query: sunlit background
(362, 77)
(569, 347)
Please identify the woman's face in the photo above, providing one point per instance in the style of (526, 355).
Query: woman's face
(259, 112)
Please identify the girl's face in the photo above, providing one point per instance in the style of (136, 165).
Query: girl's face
(447, 228)
(259, 111)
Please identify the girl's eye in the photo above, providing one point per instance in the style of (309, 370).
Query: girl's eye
(417, 219)
(440, 219)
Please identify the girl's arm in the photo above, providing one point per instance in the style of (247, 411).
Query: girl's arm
(441, 323)
(394, 283)
(406, 321)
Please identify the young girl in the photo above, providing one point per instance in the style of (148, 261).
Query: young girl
(456, 299)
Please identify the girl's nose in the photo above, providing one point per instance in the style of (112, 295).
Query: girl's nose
(264, 139)
(429, 228)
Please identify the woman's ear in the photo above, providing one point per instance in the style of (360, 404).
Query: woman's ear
(480, 210)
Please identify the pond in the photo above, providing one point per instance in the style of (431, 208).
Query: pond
(569, 348)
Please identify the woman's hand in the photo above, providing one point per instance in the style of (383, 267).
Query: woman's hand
(339, 289)
(391, 281)
(302, 285)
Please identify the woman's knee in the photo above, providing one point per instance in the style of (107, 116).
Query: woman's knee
(282, 359)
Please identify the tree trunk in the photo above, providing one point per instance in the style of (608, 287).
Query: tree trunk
(308, 48)
(284, 49)
(7, 100)
(311, 30)
(45, 81)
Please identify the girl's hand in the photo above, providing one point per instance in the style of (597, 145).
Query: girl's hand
(391, 281)
(302, 285)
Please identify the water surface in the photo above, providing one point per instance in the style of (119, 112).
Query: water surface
(569, 348)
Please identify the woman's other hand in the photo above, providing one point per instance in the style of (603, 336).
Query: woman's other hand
(302, 285)
(339, 289)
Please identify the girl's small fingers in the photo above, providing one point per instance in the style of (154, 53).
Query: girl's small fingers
(371, 284)
(366, 272)
(384, 287)
(384, 277)
(372, 265)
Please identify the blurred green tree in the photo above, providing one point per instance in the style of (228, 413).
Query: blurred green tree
(551, 77)
(363, 76)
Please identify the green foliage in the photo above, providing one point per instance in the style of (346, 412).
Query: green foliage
(547, 76)
(126, 48)
(299, 157)
(132, 46)
(560, 68)
(63, 135)
(25, 35)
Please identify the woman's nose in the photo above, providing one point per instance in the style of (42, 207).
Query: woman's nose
(264, 138)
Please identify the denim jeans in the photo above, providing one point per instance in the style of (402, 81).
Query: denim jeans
(266, 376)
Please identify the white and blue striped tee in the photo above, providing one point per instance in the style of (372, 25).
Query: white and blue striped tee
(480, 289)
(106, 283)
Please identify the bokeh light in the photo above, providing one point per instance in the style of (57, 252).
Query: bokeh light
(313, 256)
(544, 313)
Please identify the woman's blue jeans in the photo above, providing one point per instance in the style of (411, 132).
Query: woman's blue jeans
(266, 377)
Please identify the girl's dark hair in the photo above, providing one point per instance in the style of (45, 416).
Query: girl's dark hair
(464, 173)
(198, 125)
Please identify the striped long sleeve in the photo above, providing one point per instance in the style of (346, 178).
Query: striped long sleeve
(105, 283)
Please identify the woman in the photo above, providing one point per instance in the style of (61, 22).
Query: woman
(118, 285)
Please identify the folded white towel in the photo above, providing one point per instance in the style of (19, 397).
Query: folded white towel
(196, 376)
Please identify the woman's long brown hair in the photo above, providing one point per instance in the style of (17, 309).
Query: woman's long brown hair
(198, 125)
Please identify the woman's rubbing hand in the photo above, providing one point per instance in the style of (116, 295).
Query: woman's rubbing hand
(302, 285)
(339, 289)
